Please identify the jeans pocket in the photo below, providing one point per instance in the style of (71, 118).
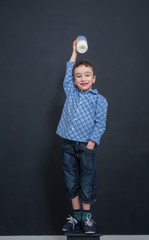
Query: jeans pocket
(89, 149)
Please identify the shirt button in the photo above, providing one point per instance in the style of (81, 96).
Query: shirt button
(80, 102)
(77, 110)
(75, 119)
(72, 128)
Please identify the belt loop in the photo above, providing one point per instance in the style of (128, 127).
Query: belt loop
(76, 143)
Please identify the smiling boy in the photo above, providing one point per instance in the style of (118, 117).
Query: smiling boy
(82, 123)
(84, 76)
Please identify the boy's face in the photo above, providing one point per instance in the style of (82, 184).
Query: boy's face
(84, 78)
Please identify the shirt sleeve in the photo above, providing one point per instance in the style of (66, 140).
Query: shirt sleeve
(100, 119)
(68, 83)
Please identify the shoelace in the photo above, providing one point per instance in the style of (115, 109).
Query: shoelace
(72, 220)
(89, 221)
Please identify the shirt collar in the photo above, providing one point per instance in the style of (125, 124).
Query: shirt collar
(94, 91)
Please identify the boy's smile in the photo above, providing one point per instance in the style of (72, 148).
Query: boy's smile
(84, 78)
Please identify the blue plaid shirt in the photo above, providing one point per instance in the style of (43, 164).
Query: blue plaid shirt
(84, 114)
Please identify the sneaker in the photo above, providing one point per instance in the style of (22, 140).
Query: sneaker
(89, 226)
(71, 225)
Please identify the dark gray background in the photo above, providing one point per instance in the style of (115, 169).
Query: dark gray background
(36, 41)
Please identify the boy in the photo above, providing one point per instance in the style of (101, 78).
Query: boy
(82, 124)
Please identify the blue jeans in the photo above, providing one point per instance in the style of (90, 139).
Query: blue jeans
(79, 169)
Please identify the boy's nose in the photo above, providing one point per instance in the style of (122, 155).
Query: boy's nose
(83, 78)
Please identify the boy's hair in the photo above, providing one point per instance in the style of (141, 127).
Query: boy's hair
(85, 63)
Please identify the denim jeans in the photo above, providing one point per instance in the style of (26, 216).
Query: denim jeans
(79, 169)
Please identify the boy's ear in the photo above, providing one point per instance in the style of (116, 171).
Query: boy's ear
(94, 78)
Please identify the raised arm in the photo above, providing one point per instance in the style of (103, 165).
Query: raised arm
(74, 52)
(68, 84)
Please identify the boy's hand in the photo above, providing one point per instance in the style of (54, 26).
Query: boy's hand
(75, 46)
(74, 52)
(90, 144)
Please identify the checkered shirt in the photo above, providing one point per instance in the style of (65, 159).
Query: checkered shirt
(84, 114)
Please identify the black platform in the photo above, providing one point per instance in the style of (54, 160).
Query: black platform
(79, 235)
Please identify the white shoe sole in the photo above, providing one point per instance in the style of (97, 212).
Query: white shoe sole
(64, 230)
(89, 232)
